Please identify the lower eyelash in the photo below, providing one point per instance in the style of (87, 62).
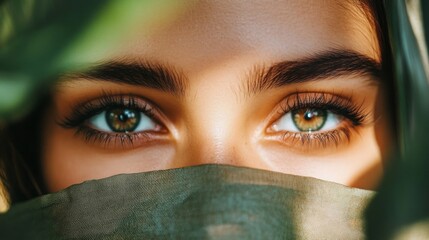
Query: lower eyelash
(124, 140)
(321, 139)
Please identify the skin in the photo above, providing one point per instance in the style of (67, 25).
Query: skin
(215, 45)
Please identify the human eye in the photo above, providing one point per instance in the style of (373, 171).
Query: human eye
(112, 121)
(317, 120)
(122, 120)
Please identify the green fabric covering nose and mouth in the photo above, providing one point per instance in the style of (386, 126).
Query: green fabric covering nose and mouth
(201, 202)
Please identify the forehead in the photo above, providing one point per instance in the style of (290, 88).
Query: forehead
(209, 32)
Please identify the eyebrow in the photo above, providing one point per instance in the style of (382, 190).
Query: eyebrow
(326, 65)
(145, 74)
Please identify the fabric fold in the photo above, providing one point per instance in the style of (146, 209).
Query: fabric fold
(200, 202)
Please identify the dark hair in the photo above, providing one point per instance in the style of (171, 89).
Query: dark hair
(21, 141)
(20, 153)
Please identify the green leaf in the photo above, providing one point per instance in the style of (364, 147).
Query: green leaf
(40, 39)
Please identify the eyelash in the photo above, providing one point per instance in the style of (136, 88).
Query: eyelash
(344, 107)
(83, 112)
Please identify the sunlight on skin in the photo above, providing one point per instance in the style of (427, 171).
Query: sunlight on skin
(215, 46)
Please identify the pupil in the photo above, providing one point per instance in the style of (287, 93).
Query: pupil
(308, 115)
(122, 120)
(125, 115)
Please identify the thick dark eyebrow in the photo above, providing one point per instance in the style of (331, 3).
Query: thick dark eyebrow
(325, 65)
(145, 74)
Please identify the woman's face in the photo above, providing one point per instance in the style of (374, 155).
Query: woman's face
(287, 86)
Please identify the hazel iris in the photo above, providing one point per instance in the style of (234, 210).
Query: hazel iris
(307, 120)
(122, 119)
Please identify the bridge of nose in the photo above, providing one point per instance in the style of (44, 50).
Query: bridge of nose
(215, 129)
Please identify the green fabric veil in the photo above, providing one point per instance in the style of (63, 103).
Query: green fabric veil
(202, 202)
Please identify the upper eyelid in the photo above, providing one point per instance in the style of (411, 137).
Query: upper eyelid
(350, 109)
(85, 110)
(119, 99)
(312, 99)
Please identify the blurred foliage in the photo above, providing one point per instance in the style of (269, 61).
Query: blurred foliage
(41, 38)
(404, 194)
